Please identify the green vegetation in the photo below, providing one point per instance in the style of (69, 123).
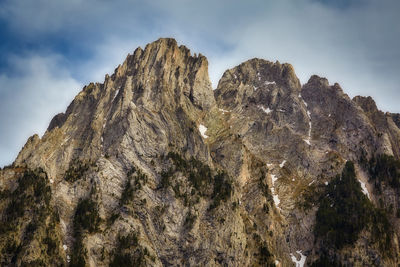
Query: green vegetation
(31, 192)
(222, 189)
(263, 256)
(76, 171)
(136, 180)
(86, 219)
(29, 220)
(190, 220)
(202, 181)
(325, 262)
(384, 169)
(345, 211)
(128, 252)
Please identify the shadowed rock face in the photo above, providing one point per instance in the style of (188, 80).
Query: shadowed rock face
(192, 176)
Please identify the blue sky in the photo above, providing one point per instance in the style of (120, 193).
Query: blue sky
(50, 48)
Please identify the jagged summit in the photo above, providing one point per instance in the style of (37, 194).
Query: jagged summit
(154, 168)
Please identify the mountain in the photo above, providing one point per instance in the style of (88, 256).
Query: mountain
(155, 168)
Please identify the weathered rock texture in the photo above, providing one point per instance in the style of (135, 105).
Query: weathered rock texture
(129, 178)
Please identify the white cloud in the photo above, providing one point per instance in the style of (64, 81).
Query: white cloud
(40, 89)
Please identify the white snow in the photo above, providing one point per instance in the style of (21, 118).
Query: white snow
(364, 188)
(282, 164)
(203, 130)
(65, 247)
(326, 183)
(293, 180)
(273, 178)
(281, 110)
(269, 83)
(258, 76)
(116, 93)
(308, 140)
(299, 263)
(68, 258)
(276, 262)
(51, 181)
(269, 165)
(276, 200)
(255, 88)
(329, 115)
(266, 110)
(311, 182)
(223, 110)
(299, 95)
(235, 76)
(275, 196)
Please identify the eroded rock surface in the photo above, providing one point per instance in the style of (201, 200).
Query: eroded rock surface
(154, 168)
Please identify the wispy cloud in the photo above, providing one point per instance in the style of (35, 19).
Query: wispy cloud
(39, 89)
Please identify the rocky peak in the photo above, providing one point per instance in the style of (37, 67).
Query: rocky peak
(256, 81)
(172, 173)
(163, 72)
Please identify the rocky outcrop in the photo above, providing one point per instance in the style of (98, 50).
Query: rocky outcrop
(153, 167)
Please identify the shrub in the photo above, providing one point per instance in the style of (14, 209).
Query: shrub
(385, 168)
(76, 171)
(345, 211)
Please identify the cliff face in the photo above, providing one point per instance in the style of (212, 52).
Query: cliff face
(153, 167)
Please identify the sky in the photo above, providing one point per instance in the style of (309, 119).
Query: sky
(49, 49)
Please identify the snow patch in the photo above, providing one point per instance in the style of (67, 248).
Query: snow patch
(115, 95)
(277, 201)
(269, 83)
(364, 188)
(203, 130)
(273, 178)
(258, 76)
(282, 164)
(266, 110)
(274, 195)
(65, 247)
(326, 183)
(223, 110)
(311, 182)
(255, 88)
(308, 140)
(299, 263)
(51, 181)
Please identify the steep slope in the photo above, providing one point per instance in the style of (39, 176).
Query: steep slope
(153, 167)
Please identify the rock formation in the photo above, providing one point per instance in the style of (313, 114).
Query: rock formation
(155, 168)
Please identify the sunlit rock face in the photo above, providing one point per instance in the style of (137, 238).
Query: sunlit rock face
(152, 167)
